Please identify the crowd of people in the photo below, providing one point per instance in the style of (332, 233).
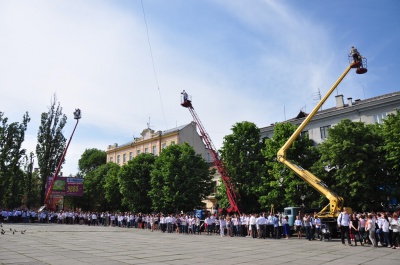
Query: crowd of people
(376, 230)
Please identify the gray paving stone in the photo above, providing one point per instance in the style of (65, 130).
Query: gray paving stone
(78, 244)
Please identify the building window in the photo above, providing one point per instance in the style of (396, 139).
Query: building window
(138, 152)
(164, 145)
(378, 118)
(324, 131)
(111, 159)
(303, 134)
(146, 150)
(124, 158)
(130, 155)
(117, 159)
(208, 157)
(154, 149)
(172, 142)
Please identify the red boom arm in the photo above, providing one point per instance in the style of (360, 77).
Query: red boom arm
(230, 188)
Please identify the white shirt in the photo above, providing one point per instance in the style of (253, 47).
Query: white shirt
(384, 225)
(253, 220)
(343, 219)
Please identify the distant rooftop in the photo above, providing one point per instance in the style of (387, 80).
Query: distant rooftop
(162, 133)
(355, 102)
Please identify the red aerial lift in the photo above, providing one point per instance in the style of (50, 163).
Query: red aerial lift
(47, 200)
(230, 187)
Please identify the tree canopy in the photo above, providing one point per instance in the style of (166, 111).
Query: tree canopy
(353, 156)
(134, 179)
(281, 186)
(50, 143)
(244, 163)
(91, 159)
(11, 156)
(180, 179)
(391, 147)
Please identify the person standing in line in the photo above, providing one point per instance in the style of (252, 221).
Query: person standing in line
(212, 218)
(280, 221)
(253, 227)
(168, 221)
(217, 226)
(343, 222)
(378, 230)
(317, 225)
(276, 227)
(307, 225)
(208, 223)
(298, 224)
(385, 230)
(361, 219)
(152, 220)
(261, 221)
(370, 228)
(196, 227)
(286, 227)
(248, 227)
(229, 225)
(243, 225)
(355, 230)
(270, 225)
(222, 225)
(162, 223)
(395, 224)
(312, 225)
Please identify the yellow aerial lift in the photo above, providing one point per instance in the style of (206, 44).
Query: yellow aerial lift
(330, 212)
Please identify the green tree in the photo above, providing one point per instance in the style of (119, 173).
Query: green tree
(94, 190)
(281, 186)
(244, 163)
(134, 179)
(354, 158)
(111, 187)
(91, 159)
(32, 182)
(51, 143)
(180, 180)
(11, 154)
(390, 131)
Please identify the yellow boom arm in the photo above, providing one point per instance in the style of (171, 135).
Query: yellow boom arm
(335, 201)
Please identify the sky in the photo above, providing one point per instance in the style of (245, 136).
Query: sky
(125, 62)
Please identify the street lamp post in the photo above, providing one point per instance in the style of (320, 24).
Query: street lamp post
(77, 116)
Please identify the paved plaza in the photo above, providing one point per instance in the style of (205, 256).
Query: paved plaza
(80, 244)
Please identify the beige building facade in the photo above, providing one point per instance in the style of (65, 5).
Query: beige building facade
(154, 141)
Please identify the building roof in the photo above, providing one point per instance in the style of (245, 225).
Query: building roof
(163, 133)
(356, 102)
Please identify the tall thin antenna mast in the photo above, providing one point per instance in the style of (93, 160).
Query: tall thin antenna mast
(317, 96)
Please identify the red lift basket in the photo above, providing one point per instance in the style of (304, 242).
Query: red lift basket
(360, 65)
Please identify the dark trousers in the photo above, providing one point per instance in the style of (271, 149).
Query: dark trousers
(262, 231)
(395, 239)
(345, 230)
(308, 232)
(276, 232)
(254, 231)
(269, 230)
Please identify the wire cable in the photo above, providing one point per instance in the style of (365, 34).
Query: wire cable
(154, 67)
